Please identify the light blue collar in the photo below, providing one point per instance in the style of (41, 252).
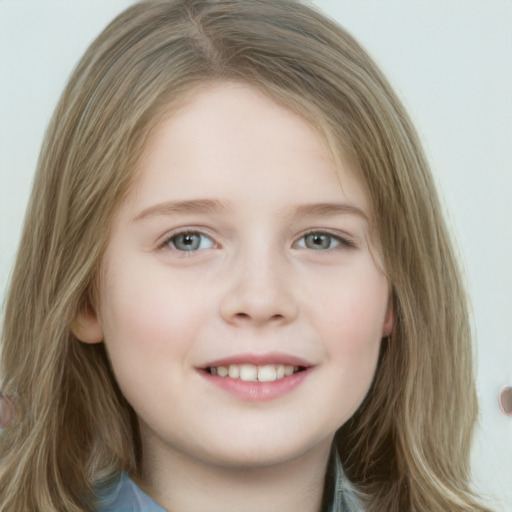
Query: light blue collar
(122, 494)
(345, 496)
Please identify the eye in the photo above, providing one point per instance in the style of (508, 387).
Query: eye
(190, 241)
(322, 241)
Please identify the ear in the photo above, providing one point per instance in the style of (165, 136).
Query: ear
(389, 319)
(86, 325)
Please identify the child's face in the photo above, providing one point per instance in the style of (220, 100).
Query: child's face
(238, 246)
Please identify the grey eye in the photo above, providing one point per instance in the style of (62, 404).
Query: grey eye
(190, 241)
(319, 241)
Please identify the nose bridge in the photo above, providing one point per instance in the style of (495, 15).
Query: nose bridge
(259, 286)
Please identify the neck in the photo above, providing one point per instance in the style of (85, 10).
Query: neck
(183, 484)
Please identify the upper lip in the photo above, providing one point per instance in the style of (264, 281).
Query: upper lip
(259, 360)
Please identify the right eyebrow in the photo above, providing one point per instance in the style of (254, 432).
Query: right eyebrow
(328, 210)
(177, 207)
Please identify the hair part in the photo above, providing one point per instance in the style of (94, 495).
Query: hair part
(407, 447)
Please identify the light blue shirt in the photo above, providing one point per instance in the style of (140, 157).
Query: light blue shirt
(124, 495)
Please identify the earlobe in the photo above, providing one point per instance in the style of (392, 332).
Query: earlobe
(86, 326)
(389, 319)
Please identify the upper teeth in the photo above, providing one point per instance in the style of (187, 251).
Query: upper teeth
(253, 373)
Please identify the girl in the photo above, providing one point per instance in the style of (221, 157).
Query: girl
(235, 290)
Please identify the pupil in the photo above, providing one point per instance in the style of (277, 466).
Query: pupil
(318, 241)
(187, 242)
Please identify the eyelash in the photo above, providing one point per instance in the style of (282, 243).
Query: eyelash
(341, 241)
(171, 244)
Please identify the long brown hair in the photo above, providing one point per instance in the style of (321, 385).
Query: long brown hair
(407, 447)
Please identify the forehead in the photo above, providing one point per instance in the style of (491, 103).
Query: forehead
(230, 136)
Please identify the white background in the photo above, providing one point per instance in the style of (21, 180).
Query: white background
(451, 62)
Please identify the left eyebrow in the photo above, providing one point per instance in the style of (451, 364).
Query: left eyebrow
(327, 210)
(183, 207)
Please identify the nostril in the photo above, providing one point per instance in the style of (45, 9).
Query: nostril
(246, 316)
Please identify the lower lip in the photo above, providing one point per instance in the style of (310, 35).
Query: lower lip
(258, 391)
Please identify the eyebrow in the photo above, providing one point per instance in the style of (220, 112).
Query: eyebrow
(176, 207)
(215, 206)
(327, 210)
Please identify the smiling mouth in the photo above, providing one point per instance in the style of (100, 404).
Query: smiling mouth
(254, 373)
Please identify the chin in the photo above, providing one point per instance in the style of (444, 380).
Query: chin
(263, 453)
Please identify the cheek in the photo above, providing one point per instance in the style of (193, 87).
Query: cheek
(351, 317)
(147, 322)
(354, 311)
(148, 330)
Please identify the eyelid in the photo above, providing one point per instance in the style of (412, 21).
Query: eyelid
(165, 241)
(345, 241)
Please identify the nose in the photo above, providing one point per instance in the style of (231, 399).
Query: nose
(259, 291)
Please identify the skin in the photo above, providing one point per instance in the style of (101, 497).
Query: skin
(255, 284)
